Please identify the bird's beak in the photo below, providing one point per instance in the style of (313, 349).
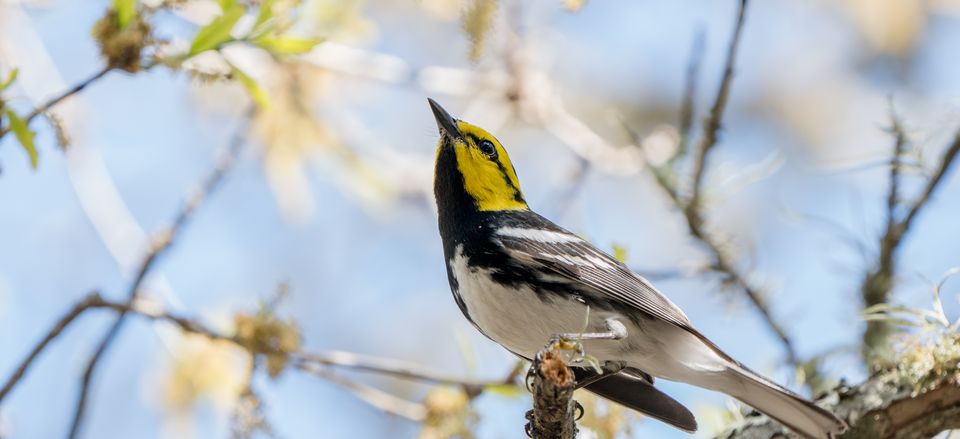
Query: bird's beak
(446, 123)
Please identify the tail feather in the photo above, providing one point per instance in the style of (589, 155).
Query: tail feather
(790, 409)
(639, 394)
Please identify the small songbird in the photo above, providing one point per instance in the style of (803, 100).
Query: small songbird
(522, 280)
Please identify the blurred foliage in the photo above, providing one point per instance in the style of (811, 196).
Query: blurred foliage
(477, 20)
(605, 419)
(249, 419)
(122, 41)
(201, 368)
(264, 333)
(929, 348)
(449, 414)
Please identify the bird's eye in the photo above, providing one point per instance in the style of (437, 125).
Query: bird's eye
(487, 148)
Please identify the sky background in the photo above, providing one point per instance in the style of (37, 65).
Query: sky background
(365, 272)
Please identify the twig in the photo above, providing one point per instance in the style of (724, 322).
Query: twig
(878, 283)
(932, 183)
(392, 367)
(92, 301)
(163, 242)
(553, 405)
(715, 120)
(59, 98)
(692, 207)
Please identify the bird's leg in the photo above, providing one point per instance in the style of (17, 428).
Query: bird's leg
(615, 331)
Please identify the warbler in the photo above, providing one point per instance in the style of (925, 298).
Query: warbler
(521, 280)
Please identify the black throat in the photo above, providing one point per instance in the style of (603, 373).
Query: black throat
(457, 211)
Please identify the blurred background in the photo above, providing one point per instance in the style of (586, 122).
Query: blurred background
(330, 201)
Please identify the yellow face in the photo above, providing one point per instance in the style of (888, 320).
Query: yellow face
(488, 175)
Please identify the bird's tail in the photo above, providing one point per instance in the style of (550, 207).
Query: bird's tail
(777, 402)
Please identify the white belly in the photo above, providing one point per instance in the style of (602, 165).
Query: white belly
(521, 321)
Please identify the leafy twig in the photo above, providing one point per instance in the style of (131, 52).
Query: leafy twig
(43, 108)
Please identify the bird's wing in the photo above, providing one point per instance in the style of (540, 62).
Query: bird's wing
(562, 256)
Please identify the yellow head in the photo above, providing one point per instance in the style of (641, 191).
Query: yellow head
(473, 168)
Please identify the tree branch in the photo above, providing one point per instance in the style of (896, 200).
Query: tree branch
(161, 244)
(878, 283)
(553, 384)
(312, 363)
(685, 126)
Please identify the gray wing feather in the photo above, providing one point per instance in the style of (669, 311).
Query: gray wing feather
(582, 264)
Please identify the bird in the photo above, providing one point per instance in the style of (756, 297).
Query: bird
(521, 280)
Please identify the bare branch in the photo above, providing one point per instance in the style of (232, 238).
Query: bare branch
(878, 283)
(313, 363)
(712, 126)
(948, 158)
(687, 110)
(553, 406)
(161, 244)
(392, 367)
(55, 332)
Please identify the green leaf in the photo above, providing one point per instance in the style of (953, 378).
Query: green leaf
(287, 45)
(24, 135)
(254, 89)
(125, 9)
(217, 32)
(10, 78)
(620, 253)
(227, 4)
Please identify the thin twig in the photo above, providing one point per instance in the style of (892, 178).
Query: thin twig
(58, 328)
(712, 126)
(163, 242)
(59, 98)
(899, 144)
(932, 183)
(687, 110)
(391, 367)
(692, 208)
(387, 402)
